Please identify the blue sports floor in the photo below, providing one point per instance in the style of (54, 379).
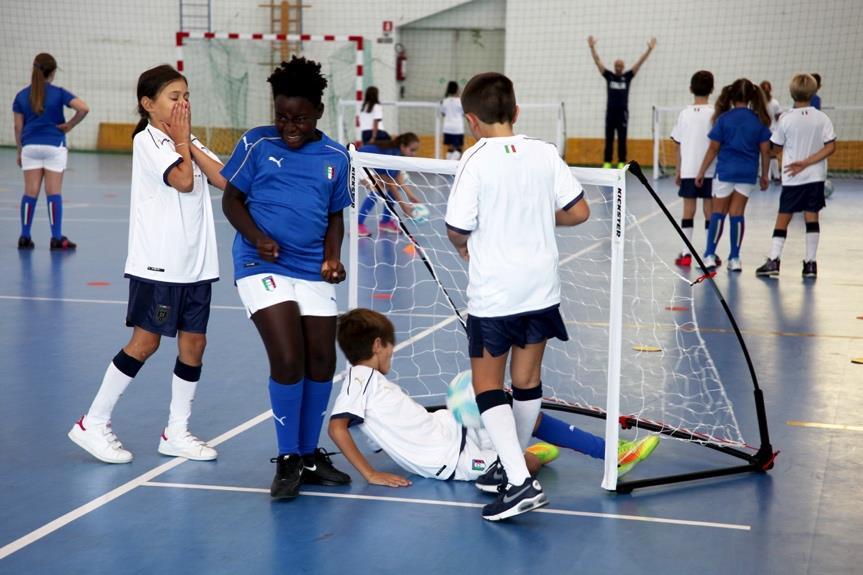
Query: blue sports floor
(62, 511)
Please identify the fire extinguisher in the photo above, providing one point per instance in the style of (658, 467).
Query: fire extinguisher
(401, 63)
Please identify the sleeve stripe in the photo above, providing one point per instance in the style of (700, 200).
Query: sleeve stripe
(464, 165)
(248, 152)
(168, 170)
(459, 230)
(573, 202)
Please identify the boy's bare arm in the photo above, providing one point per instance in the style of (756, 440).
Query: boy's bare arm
(341, 436)
(795, 168)
(575, 215)
(459, 241)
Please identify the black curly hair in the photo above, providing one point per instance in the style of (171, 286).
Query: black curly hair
(299, 78)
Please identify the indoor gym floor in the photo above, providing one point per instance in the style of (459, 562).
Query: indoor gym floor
(62, 321)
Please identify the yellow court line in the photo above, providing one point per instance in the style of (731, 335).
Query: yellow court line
(814, 425)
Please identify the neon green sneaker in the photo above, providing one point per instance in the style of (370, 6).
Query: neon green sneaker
(545, 452)
(621, 165)
(631, 453)
(606, 166)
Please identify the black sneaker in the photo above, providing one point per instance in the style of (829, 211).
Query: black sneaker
(63, 243)
(810, 269)
(289, 475)
(494, 477)
(25, 243)
(771, 268)
(318, 470)
(515, 500)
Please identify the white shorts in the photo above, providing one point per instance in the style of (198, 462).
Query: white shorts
(265, 290)
(723, 189)
(39, 156)
(478, 454)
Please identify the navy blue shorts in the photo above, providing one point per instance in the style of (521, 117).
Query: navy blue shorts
(689, 190)
(455, 140)
(499, 334)
(367, 135)
(802, 198)
(166, 309)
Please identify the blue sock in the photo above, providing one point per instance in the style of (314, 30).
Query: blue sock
(316, 396)
(28, 206)
(560, 433)
(714, 232)
(287, 400)
(55, 215)
(737, 227)
(367, 206)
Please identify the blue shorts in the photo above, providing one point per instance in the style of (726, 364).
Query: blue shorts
(689, 190)
(802, 198)
(367, 135)
(499, 334)
(166, 309)
(454, 140)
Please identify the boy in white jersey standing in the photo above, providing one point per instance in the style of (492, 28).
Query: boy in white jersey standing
(690, 135)
(508, 195)
(807, 139)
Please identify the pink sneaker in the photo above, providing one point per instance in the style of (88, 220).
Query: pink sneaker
(390, 226)
(363, 231)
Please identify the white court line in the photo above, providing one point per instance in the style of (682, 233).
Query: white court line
(84, 220)
(98, 502)
(64, 520)
(438, 502)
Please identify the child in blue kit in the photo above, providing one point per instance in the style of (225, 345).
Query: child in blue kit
(393, 181)
(740, 135)
(287, 188)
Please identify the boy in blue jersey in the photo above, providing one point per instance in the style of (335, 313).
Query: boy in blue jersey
(287, 187)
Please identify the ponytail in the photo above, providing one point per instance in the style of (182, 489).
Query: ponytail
(758, 103)
(44, 65)
(723, 103)
(744, 91)
(371, 99)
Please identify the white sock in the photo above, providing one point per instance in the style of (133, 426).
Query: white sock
(525, 414)
(500, 425)
(778, 244)
(688, 233)
(456, 155)
(182, 396)
(113, 385)
(811, 245)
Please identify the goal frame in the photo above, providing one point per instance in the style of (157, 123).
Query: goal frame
(755, 459)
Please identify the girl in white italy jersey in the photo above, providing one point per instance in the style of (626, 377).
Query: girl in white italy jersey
(171, 265)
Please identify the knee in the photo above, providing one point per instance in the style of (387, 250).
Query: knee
(193, 347)
(286, 369)
(321, 365)
(142, 349)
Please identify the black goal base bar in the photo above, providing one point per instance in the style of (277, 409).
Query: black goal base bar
(759, 462)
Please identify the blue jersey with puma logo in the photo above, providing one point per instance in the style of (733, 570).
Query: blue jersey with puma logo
(290, 194)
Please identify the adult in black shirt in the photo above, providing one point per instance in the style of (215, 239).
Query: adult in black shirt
(617, 112)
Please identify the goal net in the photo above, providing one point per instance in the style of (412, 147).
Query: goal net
(229, 73)
(546, 121)
(636, 352)
(845, 162)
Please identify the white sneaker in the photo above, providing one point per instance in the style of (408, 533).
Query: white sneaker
(99, 441)
(184, 444)
(734, 265)
(709, 262)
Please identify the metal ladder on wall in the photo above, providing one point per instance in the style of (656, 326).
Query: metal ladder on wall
(196, 15)
(286, 17)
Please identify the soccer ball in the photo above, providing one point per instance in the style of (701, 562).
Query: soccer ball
(828, 188)
(421, 214)
(461, 401)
